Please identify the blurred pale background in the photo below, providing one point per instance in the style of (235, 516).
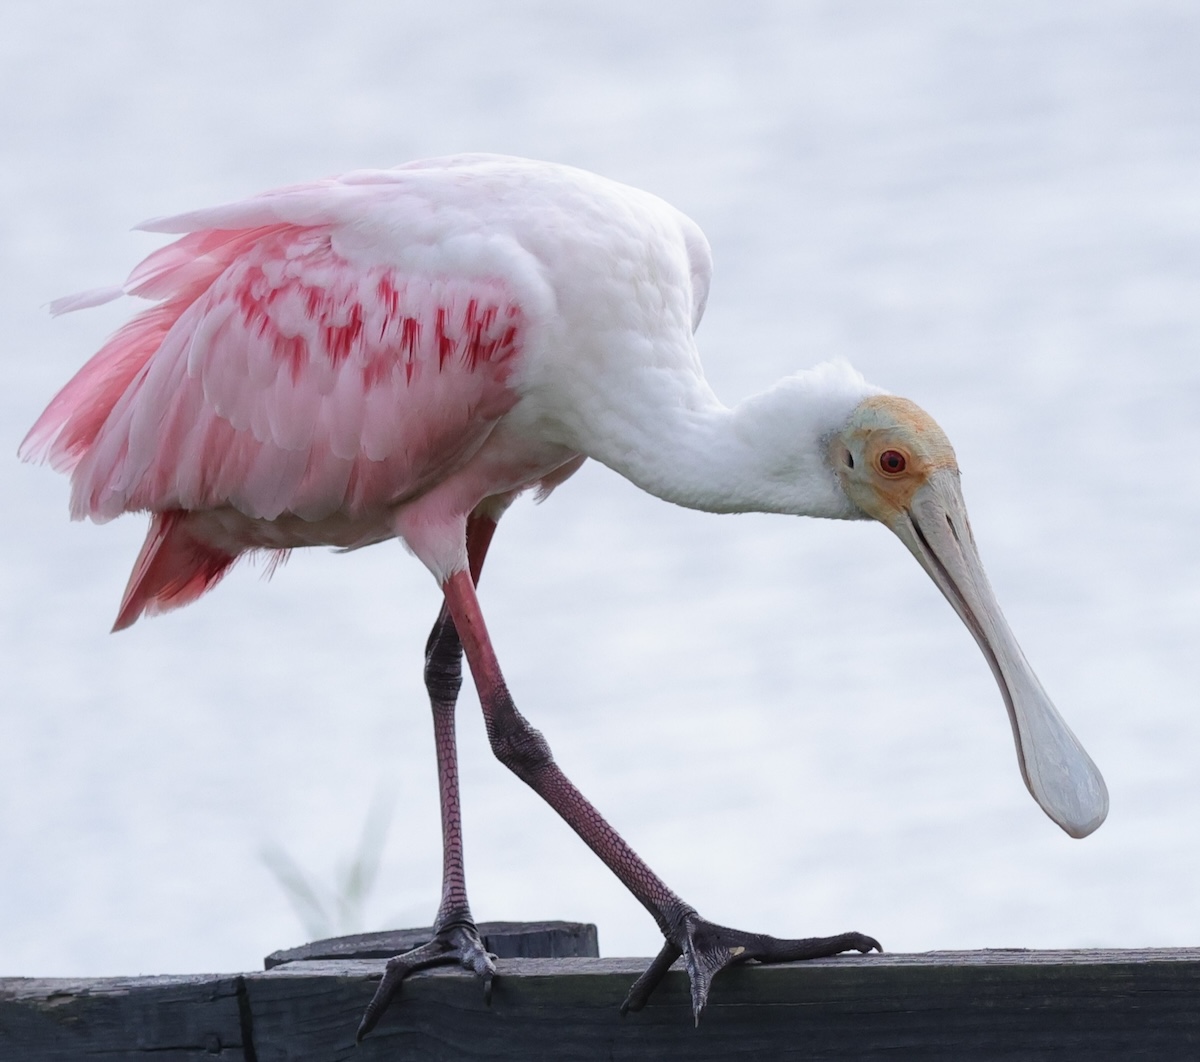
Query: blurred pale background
(993, 209)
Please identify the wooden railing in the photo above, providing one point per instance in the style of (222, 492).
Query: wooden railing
(1014, 1005)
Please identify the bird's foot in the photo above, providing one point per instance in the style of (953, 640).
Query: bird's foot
(708, 948)
(456, 942)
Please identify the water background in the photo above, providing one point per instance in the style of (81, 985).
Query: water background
(992, 209)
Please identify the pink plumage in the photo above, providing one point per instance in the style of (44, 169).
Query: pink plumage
(275, 377)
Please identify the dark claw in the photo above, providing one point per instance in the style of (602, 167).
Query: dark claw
(458, 943)
(484, 965)
(648, 982)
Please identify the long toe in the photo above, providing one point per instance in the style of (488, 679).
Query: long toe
(459, 943)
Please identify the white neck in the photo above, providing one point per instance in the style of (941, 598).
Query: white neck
(769, 453)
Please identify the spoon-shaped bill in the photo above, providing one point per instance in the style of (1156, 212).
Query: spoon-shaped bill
(1058, 772)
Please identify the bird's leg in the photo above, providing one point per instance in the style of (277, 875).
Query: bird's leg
(455, 938)
(706, 948)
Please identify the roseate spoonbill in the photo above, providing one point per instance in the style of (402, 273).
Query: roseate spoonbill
(399, 354)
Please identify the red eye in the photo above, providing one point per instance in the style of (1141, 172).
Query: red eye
(892, 462)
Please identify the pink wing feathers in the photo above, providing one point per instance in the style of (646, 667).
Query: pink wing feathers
(275, 378)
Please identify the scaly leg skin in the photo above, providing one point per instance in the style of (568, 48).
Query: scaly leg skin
(455, 938)
(707, 948)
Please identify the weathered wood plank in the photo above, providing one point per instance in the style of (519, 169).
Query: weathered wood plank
(122, 1019)
(991, 1005)
(507, 940)
(1098, 1006)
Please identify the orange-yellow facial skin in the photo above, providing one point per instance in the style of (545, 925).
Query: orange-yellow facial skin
(879, 424)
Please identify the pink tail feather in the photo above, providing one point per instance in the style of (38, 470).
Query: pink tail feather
(179, 274)
(172, 569)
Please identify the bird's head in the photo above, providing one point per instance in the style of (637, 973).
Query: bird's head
(887, 451)
(897, 466)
